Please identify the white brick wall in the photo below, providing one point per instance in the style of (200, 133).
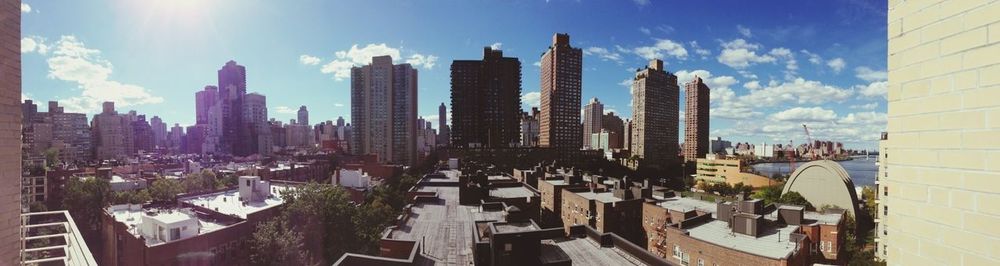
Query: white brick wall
(943, 149)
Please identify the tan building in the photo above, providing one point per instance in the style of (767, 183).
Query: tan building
(654, 115)
(112, 134)
(695, 119)
(562, 79)
(939, 188)
(711, 170)
(10, 131)
(384, 110)
(593, 118)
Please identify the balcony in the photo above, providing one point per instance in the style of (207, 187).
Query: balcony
(52, 237)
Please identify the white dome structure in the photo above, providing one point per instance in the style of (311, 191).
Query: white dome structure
(824, 182)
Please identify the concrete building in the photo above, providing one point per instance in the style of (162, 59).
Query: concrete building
(764, 150)
(384, 110)
(486, 101)
(232, 91)
(529, 128)
(561, 88)
(68, 133)
(593, 122)
(159, 131)
(711, 170)
(175, 140)
(718, 145)
(255, 118)
(696, 118)
(654, 115)
(824, 183)
(142, 135)
(616, 209)
(938, 191)
(303, 115)
(112, 134)
(444, 131)
(208, 114)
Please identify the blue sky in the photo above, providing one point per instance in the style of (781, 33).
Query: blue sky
(771, 67)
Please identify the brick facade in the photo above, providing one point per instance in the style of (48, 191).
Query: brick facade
(939, 201)
(10, 131)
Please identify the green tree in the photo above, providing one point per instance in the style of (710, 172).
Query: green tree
(130, 197)
(208, 179)
(326, 213)
(193, 182)
(869, 194)
(273, 243)
(795, 198)
(51, 157)
(85, 198)
(769, 195)
(165, 189)
(371, 219)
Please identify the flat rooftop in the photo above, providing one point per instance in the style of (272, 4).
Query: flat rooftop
(228, 202)
(772, 242)
(512, 192)
(606, 197)
(131, 216)
(584, 251)
(683, 204)
(515, 227)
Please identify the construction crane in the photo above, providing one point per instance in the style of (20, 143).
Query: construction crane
(812, 150)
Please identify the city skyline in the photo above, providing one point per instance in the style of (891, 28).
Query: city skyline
(832, 81)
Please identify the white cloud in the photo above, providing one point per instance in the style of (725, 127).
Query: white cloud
(704, 53)
(836, 64)
(797, 91)
(684, 76)
(661, 49)
(752, 85)
(815, 59)
(868, 106)
(740, 54)
(537, 64)
(641, 2)
(864, 118)
(340, 67)
(496, 45)
(32, 44)
(425, 61)
(285, 110)
(875, 89)
(645, 30)
(666, 29)
(744, 31)
(790, 63)
(603, 53)
(338, 105)
(627, 83)
(25, 8)
(531, 99)
(72, 61)
(869, 75)
(802, 114)
(309, 60)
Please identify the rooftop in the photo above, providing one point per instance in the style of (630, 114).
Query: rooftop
(584, 251)
(512, 192)
(228, 202)
(773, 242)
(132, 216)
(606, 197)
(683, 204)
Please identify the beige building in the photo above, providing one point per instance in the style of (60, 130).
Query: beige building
(384, 110)
(939, 189)
(112, 134)
(712, 170)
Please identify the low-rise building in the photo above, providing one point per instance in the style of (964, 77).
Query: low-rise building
(615, 210)
(712, 170)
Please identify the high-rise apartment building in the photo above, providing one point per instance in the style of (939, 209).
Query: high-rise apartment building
(159, 131)
(68, 133)
(616, 128)
(208, 115)
(340, 121)
(384, 110)
(486, 101)
(256, 122)
(939, 181)
(561, 85)
(303, 115)
(142, 135)
(232, 91)
(654, 115)
(10, 132)
(593, 121)
(695, 120)
(112, 133)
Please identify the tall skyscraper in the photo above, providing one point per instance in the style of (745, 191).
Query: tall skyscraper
(10, 132)
(561, 75)
(159, 131)
(444, 130)
(112, 134)
(696, 119)
(340, 121)
(232, 90)
(384, 110)
(939, 179)
(486, 101)
(257, 126)
(303, 115)
(593, 115)
(529, 128)
(205, 100)
(654, 115)
(208, 115)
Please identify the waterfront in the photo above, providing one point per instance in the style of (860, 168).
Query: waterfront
(862, 171)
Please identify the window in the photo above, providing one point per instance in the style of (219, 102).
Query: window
(677, 251)
(175, 233)
(701, 262)
(885, 210)
(822, 245)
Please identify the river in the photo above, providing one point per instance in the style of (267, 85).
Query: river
(862, 171)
